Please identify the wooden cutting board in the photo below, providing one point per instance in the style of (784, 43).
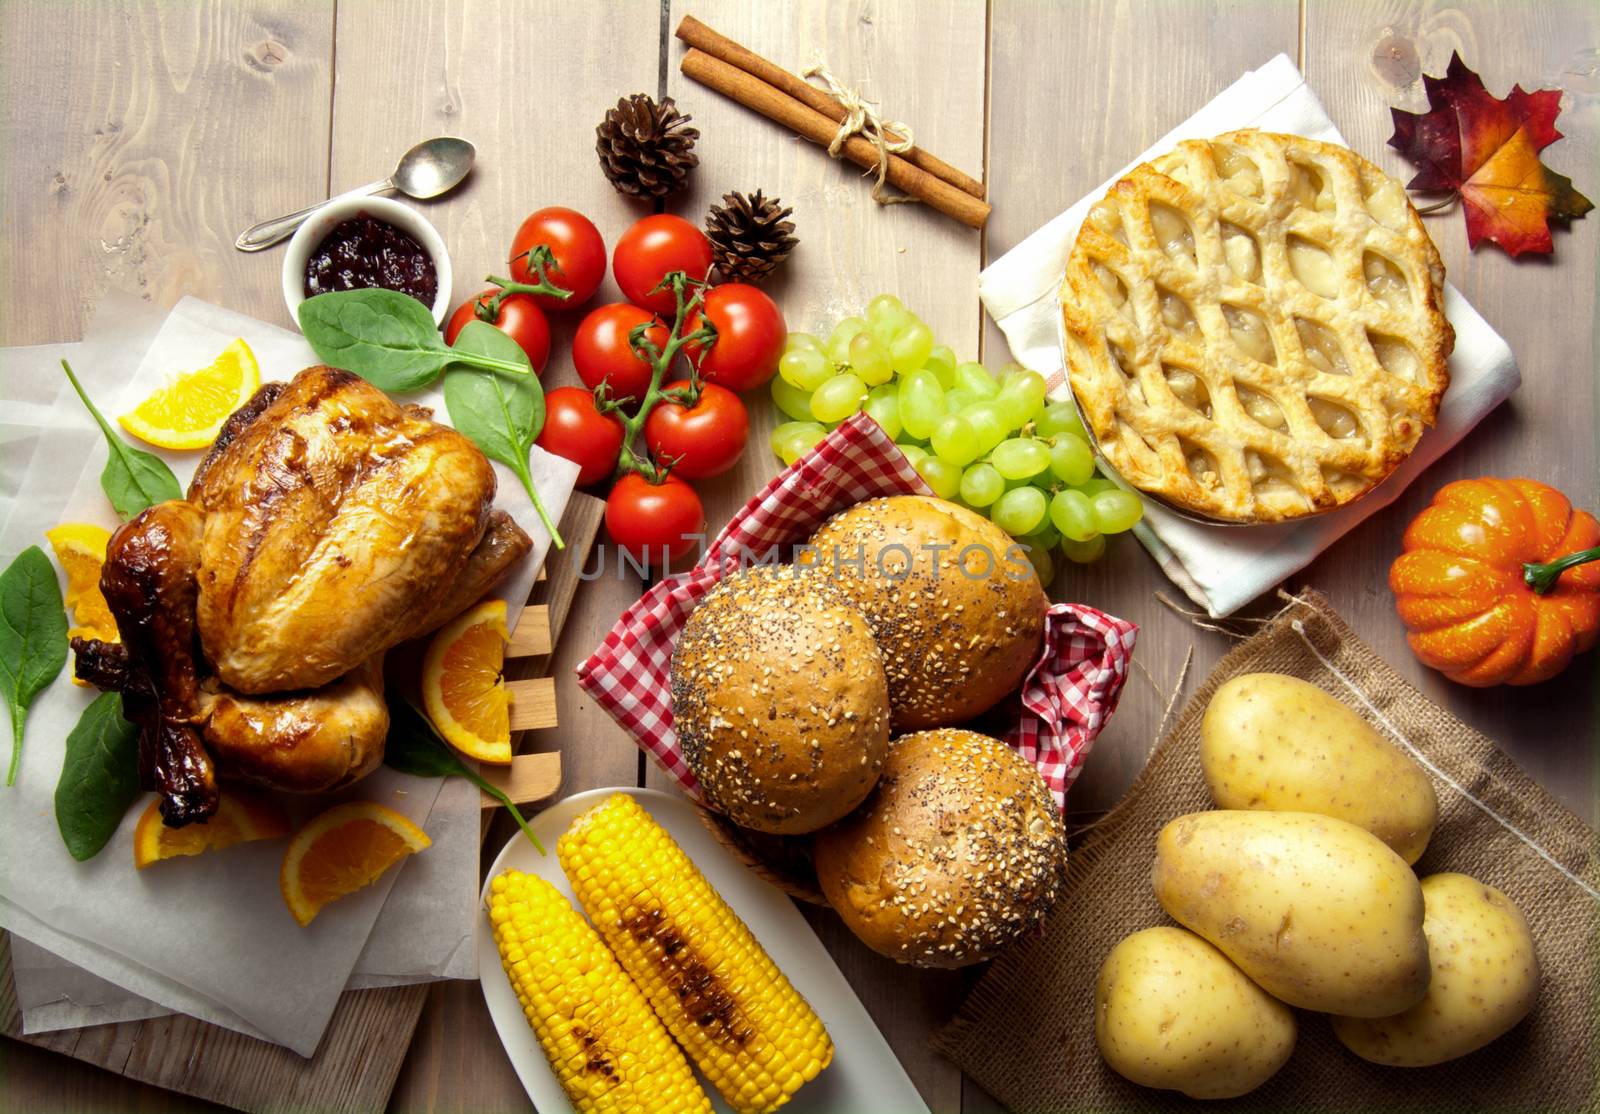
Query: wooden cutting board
(370, 1032)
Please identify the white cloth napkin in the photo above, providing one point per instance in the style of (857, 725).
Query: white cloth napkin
(209, 936)
(1224, 567)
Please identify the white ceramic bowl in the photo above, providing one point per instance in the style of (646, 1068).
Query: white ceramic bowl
(321, 222)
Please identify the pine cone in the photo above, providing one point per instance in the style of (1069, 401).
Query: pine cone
(749, 236)
(646, 149)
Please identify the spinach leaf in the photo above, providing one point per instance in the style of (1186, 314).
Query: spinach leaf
(387, 338)
(133, 479)
(415, 748)
(99, 777)
(33, 638)
(501, 414)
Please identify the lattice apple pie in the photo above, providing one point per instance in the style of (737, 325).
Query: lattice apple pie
(1253, 326)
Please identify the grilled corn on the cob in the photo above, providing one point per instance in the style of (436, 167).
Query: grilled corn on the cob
(607, 1048)
(751, 1033)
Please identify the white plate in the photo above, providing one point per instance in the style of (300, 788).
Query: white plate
(864, 1074)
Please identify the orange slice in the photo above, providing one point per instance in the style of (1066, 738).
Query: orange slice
(240, 818)
(80, 547)
(344, 849)
(462, 688)
(189, 411)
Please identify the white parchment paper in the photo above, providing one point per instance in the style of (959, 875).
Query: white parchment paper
(208, 936)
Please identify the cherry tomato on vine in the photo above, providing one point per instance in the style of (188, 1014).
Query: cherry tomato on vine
(645, 518)
(574, 428)
(750, 336)
(574, 241)
(649, 250)
(700, 440)
(602, 354)
(520, 318)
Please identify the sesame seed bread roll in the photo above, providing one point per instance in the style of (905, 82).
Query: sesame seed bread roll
(953, 602)
(958, 852)
(779, 700)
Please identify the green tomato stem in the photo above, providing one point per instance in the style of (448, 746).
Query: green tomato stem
(539, 259)
(1542, 578)
(661, 360)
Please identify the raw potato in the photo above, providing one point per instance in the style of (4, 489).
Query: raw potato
(1317, 911)
(1172, 1012)
(1277, 743)
(1485, 980)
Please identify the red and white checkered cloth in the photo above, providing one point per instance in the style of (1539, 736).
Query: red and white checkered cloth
(1065, 699)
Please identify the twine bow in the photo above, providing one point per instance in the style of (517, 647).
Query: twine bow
(862, 118)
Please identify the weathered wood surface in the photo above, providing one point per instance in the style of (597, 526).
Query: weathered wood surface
(1041, 100)
(529, 778)
(117, 125)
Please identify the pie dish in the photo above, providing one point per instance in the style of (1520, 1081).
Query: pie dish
(1253, 326)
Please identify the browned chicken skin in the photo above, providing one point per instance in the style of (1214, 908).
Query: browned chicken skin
(328, 520)
(305, 742)
(503, 544)
(148, 582)
(325, 525)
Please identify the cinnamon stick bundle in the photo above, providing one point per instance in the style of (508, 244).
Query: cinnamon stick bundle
(718, 45)
(741, 75)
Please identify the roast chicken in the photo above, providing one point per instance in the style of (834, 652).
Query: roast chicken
(326, 525)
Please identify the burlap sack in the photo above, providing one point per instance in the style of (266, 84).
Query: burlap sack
(1026, 1033)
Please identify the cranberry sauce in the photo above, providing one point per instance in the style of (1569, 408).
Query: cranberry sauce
(364, 251)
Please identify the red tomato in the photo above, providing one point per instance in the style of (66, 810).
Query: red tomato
(700, 440)
(575, 429)
(750, 336)
(648, 519)
(649, 250)
(580, 255)
(520, 318)
(601, 353)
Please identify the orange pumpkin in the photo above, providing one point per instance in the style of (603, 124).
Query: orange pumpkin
(1497, 582)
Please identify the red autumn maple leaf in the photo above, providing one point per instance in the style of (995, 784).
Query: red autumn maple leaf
(1486, 150)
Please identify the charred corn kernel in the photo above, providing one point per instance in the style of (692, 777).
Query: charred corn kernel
(610, 1052)
(751, 1033)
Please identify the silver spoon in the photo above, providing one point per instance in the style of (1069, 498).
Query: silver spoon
(429, 169)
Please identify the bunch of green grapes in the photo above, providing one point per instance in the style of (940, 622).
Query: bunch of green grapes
(997, 446)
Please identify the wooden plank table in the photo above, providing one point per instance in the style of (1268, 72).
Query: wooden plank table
(142, 137)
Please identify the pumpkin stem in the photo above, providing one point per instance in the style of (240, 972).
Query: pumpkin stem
(1542, 578)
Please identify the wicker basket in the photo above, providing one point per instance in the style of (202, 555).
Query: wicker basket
(782, 861)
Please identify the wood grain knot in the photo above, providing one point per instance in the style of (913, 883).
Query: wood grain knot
(1580, 74)
(1395, 61)
(266, 55)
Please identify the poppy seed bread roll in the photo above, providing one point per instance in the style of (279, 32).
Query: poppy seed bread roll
(779, 700)
(952, 600)
(958, 851)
